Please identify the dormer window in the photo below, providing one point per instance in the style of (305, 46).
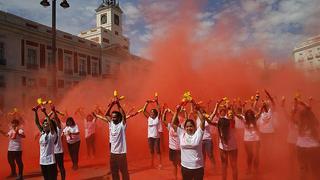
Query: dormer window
(116, 20)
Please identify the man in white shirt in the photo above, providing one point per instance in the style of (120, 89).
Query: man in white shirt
(118, 150)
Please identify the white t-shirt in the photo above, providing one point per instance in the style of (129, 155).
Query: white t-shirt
(174, 143)
(89, 127)
(15, 144)
(306, 140)
(191, 148)
(118, 138)
(207, 130)
(265, 122)
(153, 125)
(47, 148)
(251, 133)
(72, 138)
(58, 146)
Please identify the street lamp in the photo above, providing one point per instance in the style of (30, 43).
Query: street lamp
(53, 68)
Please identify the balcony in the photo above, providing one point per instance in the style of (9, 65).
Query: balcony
(95, 74)
(68, 71)
(3, 61)
(32, 66)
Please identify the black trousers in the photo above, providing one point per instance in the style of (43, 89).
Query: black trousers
(74, 153)
(13, 158)
(119, 162)
(60, 164)
(192, 174)
(49, 172)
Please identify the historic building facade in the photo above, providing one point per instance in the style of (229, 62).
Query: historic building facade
(307, 55)
(25, 55)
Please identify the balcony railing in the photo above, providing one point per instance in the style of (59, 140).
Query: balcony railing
(68, 71)
(3, 61)
(32, 66)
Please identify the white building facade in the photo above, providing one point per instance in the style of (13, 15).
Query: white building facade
(307, 55)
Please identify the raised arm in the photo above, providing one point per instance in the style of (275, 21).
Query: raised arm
(270, 97)
(124, 118)
(55, 117)
(175, 119)
(164, 117)
(200, 115)
(107, 114)
(103, 118)
(36, 118)
(145, 113)
(214, 113)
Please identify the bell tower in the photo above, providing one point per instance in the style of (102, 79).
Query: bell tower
(109, 16)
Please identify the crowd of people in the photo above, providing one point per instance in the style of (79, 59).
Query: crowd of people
(190, 138)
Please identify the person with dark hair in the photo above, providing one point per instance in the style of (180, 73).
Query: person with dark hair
(251, 140)
(174, 143)
(58, 149)
(227, 138)
(153, 131)
(308, 140)
(118, 147)
(15, 134)
(190, 138)
(47, 141)
(72, 133)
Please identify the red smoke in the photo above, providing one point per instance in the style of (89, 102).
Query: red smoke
(211, 67)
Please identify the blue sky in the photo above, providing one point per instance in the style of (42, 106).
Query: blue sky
(281, 24)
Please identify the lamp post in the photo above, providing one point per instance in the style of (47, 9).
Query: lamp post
(53, 65)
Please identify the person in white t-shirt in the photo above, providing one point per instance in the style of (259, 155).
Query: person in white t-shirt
(308, 140)
(251, 140)
(118, 147)
(47, 141)
(90, 130)
(15, 136)
(190, 138)
(153, 131)
(227, 139)
(72, 134)
(267, 125)
(174, 144)
(58, 149)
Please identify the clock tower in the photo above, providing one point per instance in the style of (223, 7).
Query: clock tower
(109, 16)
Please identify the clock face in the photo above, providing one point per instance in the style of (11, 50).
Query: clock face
(103, 19)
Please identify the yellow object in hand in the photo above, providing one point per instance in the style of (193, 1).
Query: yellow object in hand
(115, 93)
(39, 101)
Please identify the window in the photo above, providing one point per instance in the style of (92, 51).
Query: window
(43, 82)
(60, 83)
(82, 69)
(116, 33)
(32, 59)
(94, 68)
(2, 60)
(2, 81)
(116, 20)
(68, 65)
(50, 60)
